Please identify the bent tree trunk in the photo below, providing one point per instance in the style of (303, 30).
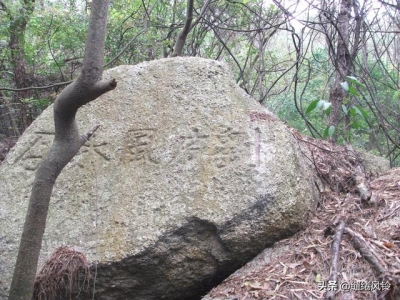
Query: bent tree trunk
(67, 142)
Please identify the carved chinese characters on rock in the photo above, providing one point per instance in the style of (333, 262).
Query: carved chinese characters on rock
(226, 148)
(31, 156)
(138, 146)
(41, 142)
(189, 146)
(99, 149)
(219, 147)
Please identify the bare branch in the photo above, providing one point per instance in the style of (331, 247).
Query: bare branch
(361, 245)
(397, 6)
(330, 294)
(202, 12)
(36, 87)
(389, 214)
(180, 41)
(85, 137)
(125, 47)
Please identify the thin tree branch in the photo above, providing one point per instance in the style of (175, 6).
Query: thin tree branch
(330, 295)
(126, 46)
(36, 87)
(361, 245)
(180, 41)
(391, 5)
(202, 12)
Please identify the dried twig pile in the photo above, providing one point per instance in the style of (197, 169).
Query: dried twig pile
(61, 275)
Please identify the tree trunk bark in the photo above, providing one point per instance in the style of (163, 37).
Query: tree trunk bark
(342, 63)
(14, 127)
(181, 39)
(17, 45)
(67, 142)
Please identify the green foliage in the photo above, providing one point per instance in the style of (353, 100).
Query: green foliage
(329, 131)
(38, 104)
(357, 118)
(323, 105)
(55, 37)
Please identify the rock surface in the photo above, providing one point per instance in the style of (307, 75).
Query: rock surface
(256, 264)
(374, 164)
(186, 180)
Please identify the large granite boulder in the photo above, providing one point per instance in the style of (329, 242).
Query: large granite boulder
(186, 180)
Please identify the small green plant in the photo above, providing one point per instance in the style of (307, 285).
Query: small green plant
(355, 115)
(325, 109)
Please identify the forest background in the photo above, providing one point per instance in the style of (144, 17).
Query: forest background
(329, 68)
